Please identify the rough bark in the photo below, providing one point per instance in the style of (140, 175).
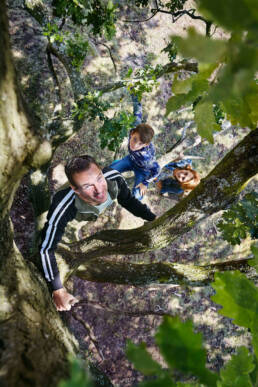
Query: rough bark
(216, 192)
(34, 342)
(17, 133)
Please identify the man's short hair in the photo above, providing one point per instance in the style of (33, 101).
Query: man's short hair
(145, 131)
(78, 164)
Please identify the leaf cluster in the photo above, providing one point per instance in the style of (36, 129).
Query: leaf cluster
(79, 375)
(144, 80)
(52, 32)
(91, 107)
(114, 130)
(99, 15)
(171, 51)
(170, 6)
(240, 220)
(182, 349)
(230, 83)
(174, 6)
(77, 48)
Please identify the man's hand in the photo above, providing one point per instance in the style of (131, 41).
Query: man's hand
(142, 187)
(63, 300)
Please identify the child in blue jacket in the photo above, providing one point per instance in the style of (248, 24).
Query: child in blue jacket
(141, 158)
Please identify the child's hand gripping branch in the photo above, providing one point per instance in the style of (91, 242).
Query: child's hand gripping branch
(142, 188)
(141, 158)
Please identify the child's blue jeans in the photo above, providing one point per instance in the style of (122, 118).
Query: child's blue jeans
(126, 164)
(170, 185)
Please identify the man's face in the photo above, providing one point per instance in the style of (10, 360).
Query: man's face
(135, 142)
(91, 185)
(183, 175)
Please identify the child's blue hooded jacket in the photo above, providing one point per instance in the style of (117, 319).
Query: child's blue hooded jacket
(144, 158)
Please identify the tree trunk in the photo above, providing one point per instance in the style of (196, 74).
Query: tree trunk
(34, 341)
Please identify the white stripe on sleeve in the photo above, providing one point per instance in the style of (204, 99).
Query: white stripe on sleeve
(50, 228)
(114, 171)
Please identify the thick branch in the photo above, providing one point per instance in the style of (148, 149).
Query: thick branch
(75, 77)
(214, 193)
(19, 139)
(175, 16)
(184, 143)
(112, 270)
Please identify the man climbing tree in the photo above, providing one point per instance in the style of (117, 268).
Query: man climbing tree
(91, 192)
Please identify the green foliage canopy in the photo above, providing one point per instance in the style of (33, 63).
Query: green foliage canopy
(99, 15)
(232, 83)
(241, 220)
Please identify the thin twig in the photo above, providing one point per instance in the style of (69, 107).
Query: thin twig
(53, 72)
(110, 54)
(181, 138)
(88, 329)
(215, 29)
(175, 16)
(190, 13)
(62, 24)
(144, 20)
(158, 312)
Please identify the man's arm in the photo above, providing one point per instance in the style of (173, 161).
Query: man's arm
(129, 202)
(61, 211)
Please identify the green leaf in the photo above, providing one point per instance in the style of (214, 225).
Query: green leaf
(162, 381)
(129, 72)
(199, 87)
(254, 262)
(79, 376)
(184, 86)
(181, 384)
(176, 102)
(235, 15)
(238, 297)
(183, 350)
(141, 359)
(252, 5)
(200, 47)
(238, 111)
(254, 331)
(205, 120)
(237, 370)
(240, 220)
(252, 101)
